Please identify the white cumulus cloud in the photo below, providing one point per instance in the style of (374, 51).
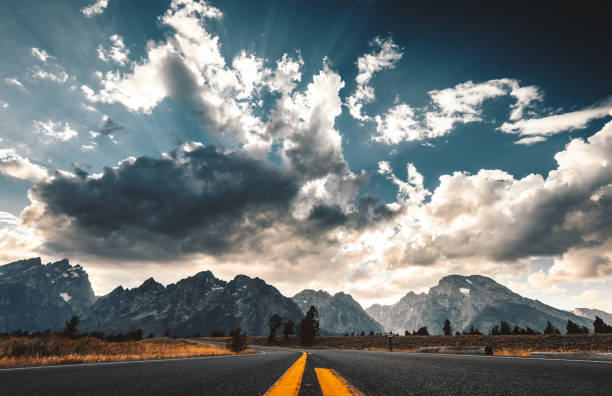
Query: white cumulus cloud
(96, 8)
(118, 53)
(56, 130)
(385, 55)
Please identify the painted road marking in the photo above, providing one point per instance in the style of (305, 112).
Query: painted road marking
(290, 382)
(333, 384)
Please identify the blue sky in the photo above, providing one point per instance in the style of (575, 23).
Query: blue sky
(395, 132)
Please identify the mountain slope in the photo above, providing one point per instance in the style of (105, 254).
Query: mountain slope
(469, 300)
(590, 314)
(198, 304)
(34, 296)
(338, 314)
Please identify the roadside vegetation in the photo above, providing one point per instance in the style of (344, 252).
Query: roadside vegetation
(504, 339)
(21, 349)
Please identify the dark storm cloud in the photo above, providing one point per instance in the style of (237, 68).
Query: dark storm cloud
(199, 201)
(560, 222)
(308, 159)
(369, 210)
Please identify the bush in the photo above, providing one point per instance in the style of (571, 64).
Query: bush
(239, 340)
(218, 333)
(472, 331)
(422, 331)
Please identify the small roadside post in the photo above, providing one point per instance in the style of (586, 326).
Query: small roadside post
(390, 336)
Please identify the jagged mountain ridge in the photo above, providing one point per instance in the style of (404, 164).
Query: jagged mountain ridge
(591, 313)
(198, 304)
(338, 314)
(34, 296)
(469, 300)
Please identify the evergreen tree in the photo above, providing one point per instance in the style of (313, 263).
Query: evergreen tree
(239, 340)
(308, 328)
(550, 329)
(448, 330)
(71, 328)
(572, 328)
(504, 328)
(274, 323)
(601, 327)
(288, 329)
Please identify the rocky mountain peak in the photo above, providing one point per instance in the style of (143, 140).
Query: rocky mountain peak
(468, 300)
(338, 314)
(150, 285)
(39, 297)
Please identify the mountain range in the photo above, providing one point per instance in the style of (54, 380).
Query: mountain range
(470, 301)
(36, 296)
(592, 313)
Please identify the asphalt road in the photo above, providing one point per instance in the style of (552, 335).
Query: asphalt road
(373, 373)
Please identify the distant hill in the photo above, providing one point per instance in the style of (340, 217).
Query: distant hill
(470, 300)
(338, 314)
(591, 313)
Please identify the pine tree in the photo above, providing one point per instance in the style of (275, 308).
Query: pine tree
(288, 329)
(448, 330)
(550, 329)
(601, 327)
(71, 328)
(308, 328)
(274, 323)
(505, 328)
(239, 340)
(572, 328)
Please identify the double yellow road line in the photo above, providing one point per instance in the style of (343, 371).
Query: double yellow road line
(332, 383)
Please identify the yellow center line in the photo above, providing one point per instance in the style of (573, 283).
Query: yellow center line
(333, 384)
(290, 382)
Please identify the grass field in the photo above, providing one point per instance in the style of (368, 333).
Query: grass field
(502, 345)
(40, 351)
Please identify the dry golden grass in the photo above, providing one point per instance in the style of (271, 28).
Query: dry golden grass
(40, 351)
(512, 352)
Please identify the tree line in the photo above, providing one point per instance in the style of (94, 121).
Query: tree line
(504, 328)
(307, 329)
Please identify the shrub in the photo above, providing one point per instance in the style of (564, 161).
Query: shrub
(422, 331)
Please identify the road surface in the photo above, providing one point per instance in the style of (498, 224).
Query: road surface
(279, 370)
